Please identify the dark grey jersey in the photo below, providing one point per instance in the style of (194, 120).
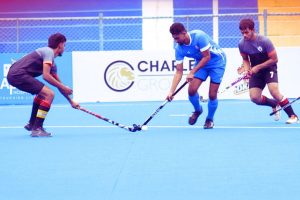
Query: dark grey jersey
(257, 50)
(32, 63)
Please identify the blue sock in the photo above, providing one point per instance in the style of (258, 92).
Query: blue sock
(195, 102)
(212, 107)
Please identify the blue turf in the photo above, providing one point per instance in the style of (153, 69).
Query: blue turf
(246, 156)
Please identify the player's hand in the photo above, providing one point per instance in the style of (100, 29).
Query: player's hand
(170, 97)
(254, 70)
(240, 70)
(190, 77)
(75, 104)
(66, 90)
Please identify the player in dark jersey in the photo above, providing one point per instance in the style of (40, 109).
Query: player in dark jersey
(260, 62)
(210, 61)
(22, 76)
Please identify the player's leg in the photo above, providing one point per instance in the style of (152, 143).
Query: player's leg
(274, 91)
(216, 75)
(212, 105)
(195, 100)
(35, 106)
(256, 85)
(45, 96)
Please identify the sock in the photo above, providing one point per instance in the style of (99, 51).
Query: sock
(289, 110)
(212, 107)
(196, 102)
(42, 112)
(265, 101)
(35, 106)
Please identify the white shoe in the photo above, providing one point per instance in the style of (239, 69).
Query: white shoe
(292, 120)
(277, 114)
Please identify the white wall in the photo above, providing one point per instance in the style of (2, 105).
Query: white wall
(156, 31)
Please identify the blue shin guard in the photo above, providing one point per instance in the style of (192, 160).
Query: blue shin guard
(212, 107)
(195, 102)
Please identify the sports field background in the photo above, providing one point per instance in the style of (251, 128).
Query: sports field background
(246, 156)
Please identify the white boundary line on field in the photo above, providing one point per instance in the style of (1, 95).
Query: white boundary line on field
(182, 127)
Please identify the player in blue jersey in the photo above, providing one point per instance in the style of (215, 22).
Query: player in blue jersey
(260, 62)
(210, 61)
(22, 76)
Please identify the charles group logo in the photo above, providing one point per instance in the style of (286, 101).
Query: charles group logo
(119, 76)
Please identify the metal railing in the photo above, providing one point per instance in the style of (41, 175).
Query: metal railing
(22, 35)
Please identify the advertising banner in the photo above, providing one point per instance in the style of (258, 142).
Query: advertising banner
(146, 75)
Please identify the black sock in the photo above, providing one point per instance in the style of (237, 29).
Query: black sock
(268, 102)
(289, 110)
(35, 107)
(42, 112)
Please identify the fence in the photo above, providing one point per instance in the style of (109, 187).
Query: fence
(21, 35)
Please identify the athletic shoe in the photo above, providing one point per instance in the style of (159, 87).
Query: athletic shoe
(40, 132)
(193, 118)
(208, 124)
(292, 120)
(277, 114)
(28, 127)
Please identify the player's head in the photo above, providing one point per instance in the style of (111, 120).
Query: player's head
(178, 32)
(247, 28)
(57, 41)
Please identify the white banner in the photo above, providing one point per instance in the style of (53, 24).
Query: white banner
(122, 76)
(114, 76)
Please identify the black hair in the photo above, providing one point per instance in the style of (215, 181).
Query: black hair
(55, 39)
(246, 23)
(177, 28)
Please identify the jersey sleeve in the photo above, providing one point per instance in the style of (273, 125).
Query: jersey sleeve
(178, 55)
(240, 46)
(47, 55)
(268, 45)
(202, 42)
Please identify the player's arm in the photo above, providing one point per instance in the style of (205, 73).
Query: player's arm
(273, 59)
(176, 79)
(73, 103)
(204, 60)
(246, 64)
(50, 79)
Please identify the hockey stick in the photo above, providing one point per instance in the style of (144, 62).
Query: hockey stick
(233, 83)
(284, 107)
(131, 129)
(139, 127)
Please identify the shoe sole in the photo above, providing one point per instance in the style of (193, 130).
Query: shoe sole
(38, 135)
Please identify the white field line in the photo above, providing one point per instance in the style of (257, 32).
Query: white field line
(166, 127)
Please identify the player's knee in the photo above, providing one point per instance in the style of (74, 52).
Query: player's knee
(213, 94)
(192, 92)
(256, 100)
(50, 95)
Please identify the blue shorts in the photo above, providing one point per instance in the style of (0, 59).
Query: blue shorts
(215, 73)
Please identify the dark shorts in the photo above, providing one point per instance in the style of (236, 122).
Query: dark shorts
(25, 82)
(262, 78)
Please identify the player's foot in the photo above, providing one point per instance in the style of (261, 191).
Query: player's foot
(292, 120)
(28, 127)
(208, 124)
(40, 132)
(277, 114)
(193, 118)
